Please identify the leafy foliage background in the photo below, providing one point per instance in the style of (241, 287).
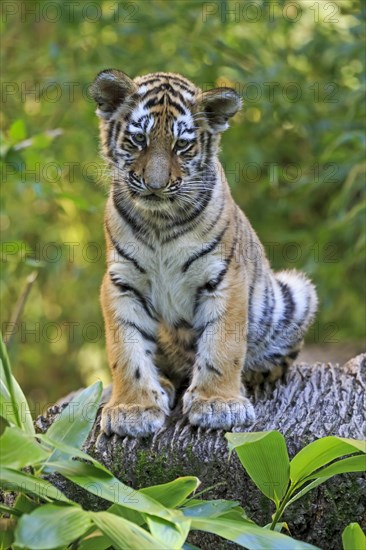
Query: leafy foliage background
(294, 156)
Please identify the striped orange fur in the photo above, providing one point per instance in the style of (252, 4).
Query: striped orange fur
(188, 295)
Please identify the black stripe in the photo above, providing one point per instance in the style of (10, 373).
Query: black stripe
(117, 132)
(190, 221)
(182, 323)
(213, 369)
(204, 250)
(111, 126)
(137, 229)
(216, 220)
(212, 284)
(122, 252)
(154, 101)
(173, 94)
(144, 302)
(288, 300)
(143, 333)
(201, 329)
(204, 196)
(268, 314)
(159, 77)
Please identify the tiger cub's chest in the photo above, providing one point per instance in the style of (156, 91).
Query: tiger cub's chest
(171, 293)
(173, 287)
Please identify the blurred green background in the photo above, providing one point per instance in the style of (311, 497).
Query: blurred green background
(294, 156)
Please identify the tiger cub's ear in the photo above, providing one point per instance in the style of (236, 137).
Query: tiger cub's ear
(218, 105)
(109, 90)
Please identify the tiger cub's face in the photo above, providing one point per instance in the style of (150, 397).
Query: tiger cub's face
(160, 133)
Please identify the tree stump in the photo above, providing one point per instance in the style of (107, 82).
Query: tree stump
(314, 401)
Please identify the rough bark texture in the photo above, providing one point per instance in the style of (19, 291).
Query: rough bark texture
(315, 401)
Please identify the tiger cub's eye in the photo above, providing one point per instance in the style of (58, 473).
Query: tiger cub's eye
(181, 143)
(139, 138)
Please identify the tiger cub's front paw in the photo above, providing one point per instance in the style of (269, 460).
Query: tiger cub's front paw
(217, 412)
(131, 419)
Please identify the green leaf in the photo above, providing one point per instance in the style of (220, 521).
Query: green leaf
(11, 480)
(25, 504)
(321, 452)
(9, 510)
(102, 483)
(350, 464)
(51, 526)
(13, 404)
(6, 535)
(168, 533)
(17, 131)
(124, 534)
(238, 514)
(19, 449)
(208, 508)
(69, 451)
(127, 513)
(174, 493)
(278, 527)
(248, 535)
(306, 489)
(265, 458)
(353, 537)
(76, 420)
(358, 444)
(97, 542)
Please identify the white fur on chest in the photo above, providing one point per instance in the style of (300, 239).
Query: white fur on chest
(170, 289)
(173, 291)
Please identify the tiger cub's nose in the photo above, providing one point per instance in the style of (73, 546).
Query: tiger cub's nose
(157, 173)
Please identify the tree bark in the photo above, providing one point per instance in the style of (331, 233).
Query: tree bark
(314, 401)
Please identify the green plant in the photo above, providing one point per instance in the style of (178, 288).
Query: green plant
(41, 517)
(264, 456)
(353, 537)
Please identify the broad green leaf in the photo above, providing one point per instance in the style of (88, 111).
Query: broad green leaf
(124, 534)
(248, 535)
(20, 449)
(187, 546)
(13, 404)
(238, 514)
(51, 526)
(265, 458)
(350, 464)
(174, 493)
(76, 420)
(25, 504)
(7, 535)
(306, 489)
(353, 537)
(321, 452)
(17, 130)
(97, 542)
(278, 527)
(359, 444)
(103, 484)
(127, 513)
(208, 508)
(70, 451)
(11, 480)
(168, 533)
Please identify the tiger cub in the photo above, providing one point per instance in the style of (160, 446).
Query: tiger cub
(188, 292)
